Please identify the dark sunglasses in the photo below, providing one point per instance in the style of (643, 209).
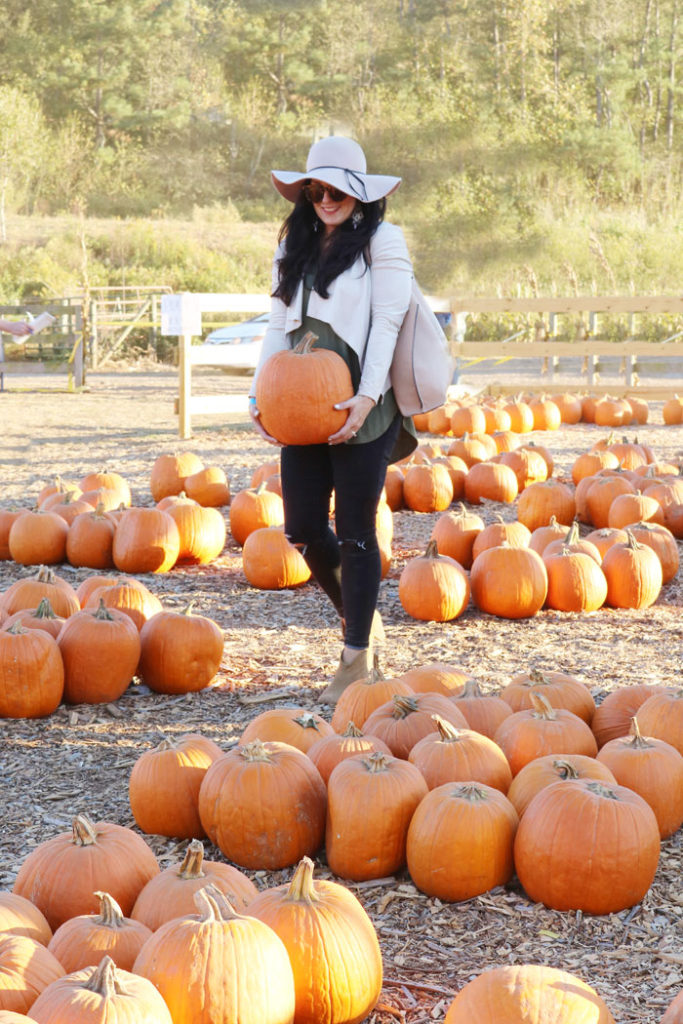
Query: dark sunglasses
(314, 193)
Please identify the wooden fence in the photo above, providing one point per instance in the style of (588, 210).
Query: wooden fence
(62, 342)
(542, 343)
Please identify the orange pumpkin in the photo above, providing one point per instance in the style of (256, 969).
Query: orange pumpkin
(83, 940)
(42, 617)
(560, 690)
(437, 677)
(455, 534)
(613, 716)
(634, 574)
(460, 841)
(509, 582)
(90, 540)
(185, 956)
(433, 587)
(100, 650)
(271, 562)
(364, 696)
(652, 768)
(404, 721)
(169, 473)
(298, 727)
(540, 501)
(427, 488)
(329, 751)
(661, 715)
(146, 540)
(18, 916)
(264, 805)
(101, 993)
(253, 509)
(329, 939)
(493, 481)
(319, 374)
(371, 799)
(26, 969)
(163, 788)
(38, 538)
(29, 592)
(31, 673)
(179, 652)
(544, 771)
(170, 894)
(484, 711)
(586, 845)
(209, 487)
(541, 730)
(460, 755)
(129, 596)
(62, 874)
(528, 992)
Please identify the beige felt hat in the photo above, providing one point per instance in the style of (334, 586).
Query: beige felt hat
(339, 162)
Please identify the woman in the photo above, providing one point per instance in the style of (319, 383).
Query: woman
(344, 273)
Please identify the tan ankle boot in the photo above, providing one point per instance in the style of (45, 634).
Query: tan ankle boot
(347, 673)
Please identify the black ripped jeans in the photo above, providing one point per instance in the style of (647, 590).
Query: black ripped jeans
(346, 564)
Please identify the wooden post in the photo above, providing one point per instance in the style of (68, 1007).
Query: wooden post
(153, 335)
(552, 334)
(94, 350)
(185, 386)
(593, 365)
(630, 360)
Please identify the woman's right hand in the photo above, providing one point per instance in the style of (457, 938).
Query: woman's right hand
(256, 420)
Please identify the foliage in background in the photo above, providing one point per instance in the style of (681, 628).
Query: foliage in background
(540, 133)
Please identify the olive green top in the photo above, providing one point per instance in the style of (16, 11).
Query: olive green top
(382, 415)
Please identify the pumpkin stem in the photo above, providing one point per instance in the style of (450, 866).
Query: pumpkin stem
(601, 789)
(431, 550)
(213, 905)
(301, 889)
(44, 575)
(192, 865)
(255, 751)
(44, 610)
(376, 674)
(352, 730)
(378, 761)
(104, 980)
(471, 792)
(638, 741)
(83, 830)
(111, 915)
(187, 610)
(103, 614)
(307, 720)
(572, 533)
(542, 708)
(566, 770)
(471, 688)
(306, 344)
(404, 706)
(448, 733)
(536, 678)
(16, 629)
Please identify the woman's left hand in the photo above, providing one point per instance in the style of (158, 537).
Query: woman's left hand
(359, 406)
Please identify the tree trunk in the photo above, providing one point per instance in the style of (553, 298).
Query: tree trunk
(671, 86)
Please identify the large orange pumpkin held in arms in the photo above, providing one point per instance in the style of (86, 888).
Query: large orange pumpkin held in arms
(297, 390)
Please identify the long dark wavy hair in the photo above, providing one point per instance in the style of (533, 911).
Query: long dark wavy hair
(304, 251)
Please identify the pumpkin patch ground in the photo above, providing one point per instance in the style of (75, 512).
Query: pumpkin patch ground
(281, 648)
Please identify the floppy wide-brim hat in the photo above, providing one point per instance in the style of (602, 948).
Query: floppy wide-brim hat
(339, 162)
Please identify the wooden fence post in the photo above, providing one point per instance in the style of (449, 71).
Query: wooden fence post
(185, 386)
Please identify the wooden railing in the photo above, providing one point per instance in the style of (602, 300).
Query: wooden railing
(542, 343)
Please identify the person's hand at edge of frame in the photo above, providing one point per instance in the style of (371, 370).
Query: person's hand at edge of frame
(359, 406)
(18, 328)
(256, 420)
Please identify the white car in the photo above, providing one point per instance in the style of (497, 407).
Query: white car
(237, 347)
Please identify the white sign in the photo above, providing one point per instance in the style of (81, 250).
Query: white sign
(180, 314)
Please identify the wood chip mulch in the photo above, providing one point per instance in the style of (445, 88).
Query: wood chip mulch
(280, 649)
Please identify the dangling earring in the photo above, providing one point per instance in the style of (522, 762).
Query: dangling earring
(357, 218)
(316, 224)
